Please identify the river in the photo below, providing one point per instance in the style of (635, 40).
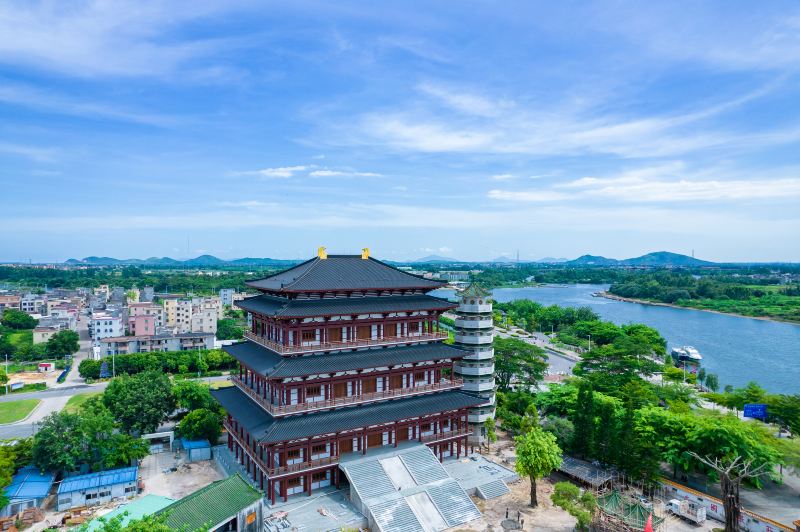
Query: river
(737, 349)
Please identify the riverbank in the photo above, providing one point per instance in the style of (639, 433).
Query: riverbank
(609, 295)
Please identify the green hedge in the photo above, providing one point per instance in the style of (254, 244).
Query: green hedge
(175, 362)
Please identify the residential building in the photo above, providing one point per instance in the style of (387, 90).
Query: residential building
(474, 333)
(197, 314)
(97, 488)
(143, 324)
(226, 296)
(147, 295)
(454, 275)
(118, 295)
(33, 304)
(170, 310)
(43, 334)
(105, 325)
(132, 295)
(344, 354)
(122, 345)
(204, 320)
(10, 301)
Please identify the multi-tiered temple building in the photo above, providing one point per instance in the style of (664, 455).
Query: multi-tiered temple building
(343, 354)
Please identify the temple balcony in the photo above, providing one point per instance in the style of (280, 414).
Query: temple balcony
(369, 397)
(277, 472)
(353, 344)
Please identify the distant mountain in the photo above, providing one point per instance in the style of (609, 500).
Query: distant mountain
(551, 260)
(436, 258)
(592, 260)
(665, 258)
(503, 259)
(657, 258)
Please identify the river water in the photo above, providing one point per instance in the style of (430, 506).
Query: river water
(735, 348)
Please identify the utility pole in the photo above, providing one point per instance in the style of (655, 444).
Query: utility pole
(6, 373)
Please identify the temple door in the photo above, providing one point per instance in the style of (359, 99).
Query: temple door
(395, 382)
(390, 330)
(340, 390)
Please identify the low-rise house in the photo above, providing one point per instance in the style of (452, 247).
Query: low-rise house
(229, 504)
(33, 303)
(196, 450)
(28, 489)
(97, 488)
(123, 345)
(105, 325)
(10, 302)
(147, 295)
(226, 296)
(43, 334)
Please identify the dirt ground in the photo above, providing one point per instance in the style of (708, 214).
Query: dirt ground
(188, 478)
(32, 377)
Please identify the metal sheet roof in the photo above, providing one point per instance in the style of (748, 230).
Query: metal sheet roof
(342, 272)
(101, 478)
(29, 483)
(136, 509)
(269, 363)
(194, 444)
(267, 429)
(344, 306)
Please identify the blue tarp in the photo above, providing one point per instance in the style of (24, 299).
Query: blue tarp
(95, 480)
(194, 444)
(29, 483)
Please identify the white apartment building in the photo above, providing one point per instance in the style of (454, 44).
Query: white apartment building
(194, 315)
(226, 296)
(104, 325)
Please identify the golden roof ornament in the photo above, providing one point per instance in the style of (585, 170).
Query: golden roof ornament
(365, 253)
(321, 253)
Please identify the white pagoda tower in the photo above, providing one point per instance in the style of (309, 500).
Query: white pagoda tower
(474, 333)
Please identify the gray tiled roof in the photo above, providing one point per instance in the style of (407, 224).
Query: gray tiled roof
(342, 272)
(302, 308)
(267, 429)
(271, 364)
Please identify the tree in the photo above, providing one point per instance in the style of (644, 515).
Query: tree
(567, 496)
(731, 472)
(66, 441)
(228, 330)
(16, 319)
(491, 432)
(538, 455)
(140, 403)
(3, 377)
(712, 382)
(149, 523)
(12, 457)
(63, 343)
(518, 361)
(583, 420)
(201, 424)
(560, 427)
(192, 395)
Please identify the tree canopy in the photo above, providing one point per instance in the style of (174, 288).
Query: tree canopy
(518, 362)
(63, 343)
(16, 319)
(140, 403)
(538, 455)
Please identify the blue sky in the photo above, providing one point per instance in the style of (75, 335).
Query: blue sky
(466, 130)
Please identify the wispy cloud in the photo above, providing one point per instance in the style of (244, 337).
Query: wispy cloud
(342, 173)
(502, 177)
(34, 153)
(34, 98)
(281, 172)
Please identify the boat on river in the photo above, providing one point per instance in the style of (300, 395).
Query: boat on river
(687, 355)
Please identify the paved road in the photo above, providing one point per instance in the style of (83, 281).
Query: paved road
(559, 362)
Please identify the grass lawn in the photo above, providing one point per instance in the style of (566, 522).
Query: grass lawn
(16, 410)
(76, 401)
(21, 337)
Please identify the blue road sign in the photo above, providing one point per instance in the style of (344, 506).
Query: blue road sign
(755, 410)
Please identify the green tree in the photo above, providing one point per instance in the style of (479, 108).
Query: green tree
(150, 523)
(3, 377)
(518, 361)
(712, 382)
(16, 319)
(192, 395)
(60, 443)
(583, 420)
(562, 428)
(227, 329)
(538, 455)
(567, 496)
(63, 343)
(201, 424)
(140, 403)
(491, 432)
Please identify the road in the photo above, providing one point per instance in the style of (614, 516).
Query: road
(559, 362)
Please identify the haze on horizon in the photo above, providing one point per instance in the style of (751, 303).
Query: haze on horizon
(250, 129)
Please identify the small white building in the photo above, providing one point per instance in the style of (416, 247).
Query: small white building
(97, 488)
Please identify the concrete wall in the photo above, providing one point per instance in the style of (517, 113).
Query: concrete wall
(65, 501)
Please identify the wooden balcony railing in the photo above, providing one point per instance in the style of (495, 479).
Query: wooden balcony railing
(442, 436)
(330, 346)
(282, 410)
(274, 472)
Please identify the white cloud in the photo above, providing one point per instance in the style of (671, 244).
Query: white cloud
(342, 173)
(684, 190)
(465, 102)
(103, 38)
(502, 177)
(34, 153)
(279, 172)
(527, 195)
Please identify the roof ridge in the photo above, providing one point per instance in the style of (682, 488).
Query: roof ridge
(315, 261)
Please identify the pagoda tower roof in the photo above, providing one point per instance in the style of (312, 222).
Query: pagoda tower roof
(474, 290)
(327, 273)
(281, 307)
